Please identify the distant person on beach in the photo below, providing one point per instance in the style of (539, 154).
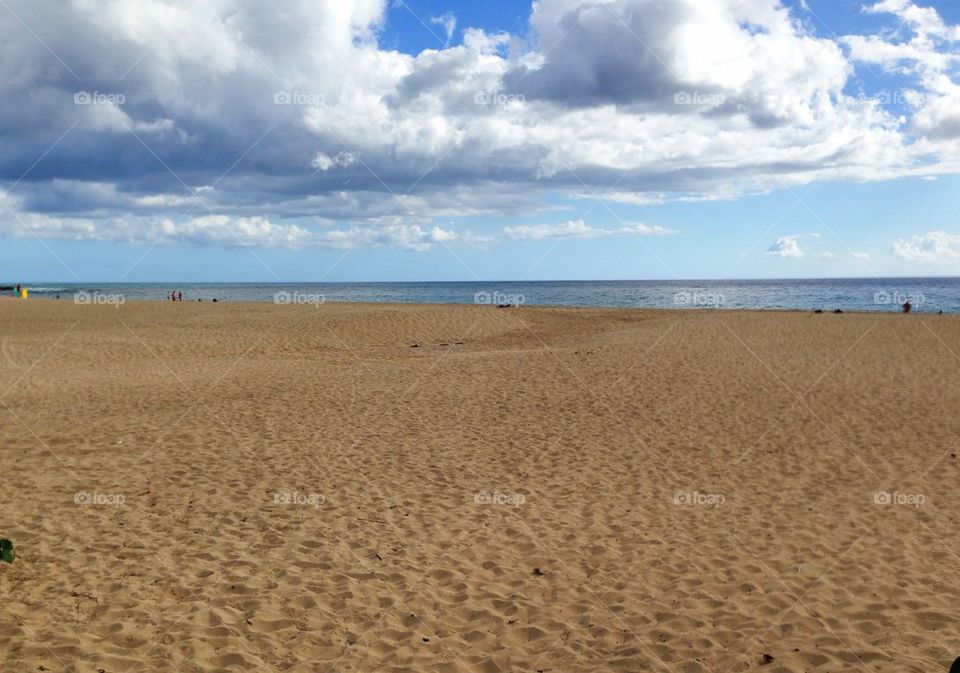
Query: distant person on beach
(179, 295)
(907, 306)
(173, 295)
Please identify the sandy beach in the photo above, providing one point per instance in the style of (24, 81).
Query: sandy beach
(344, 487)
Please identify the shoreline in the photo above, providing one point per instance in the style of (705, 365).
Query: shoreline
(871, 296)
(666, 309)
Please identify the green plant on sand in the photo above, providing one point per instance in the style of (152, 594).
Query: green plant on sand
(6, 550)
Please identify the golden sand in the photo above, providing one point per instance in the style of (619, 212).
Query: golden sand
(250, 487)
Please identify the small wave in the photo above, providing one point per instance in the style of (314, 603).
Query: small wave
(41, 289)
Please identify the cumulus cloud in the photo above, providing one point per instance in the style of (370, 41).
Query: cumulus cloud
(303, 116)
(579, 229)
(935, 247)
(787, 247)
(927, 55)
(863, 256)
(742, 59)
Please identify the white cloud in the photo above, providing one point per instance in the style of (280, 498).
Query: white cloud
(641, 229)
(571, 229)
(625, 197)
(863, 256)
(218, 230)
(225, 231)
(492, 126)
(925, 21)
(324, 162)
(929, 56)
(449, 23)
(787, 247)
(579, 229)
(935, 247)
(409, 237)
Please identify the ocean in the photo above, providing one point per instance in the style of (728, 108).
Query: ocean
(859, 294)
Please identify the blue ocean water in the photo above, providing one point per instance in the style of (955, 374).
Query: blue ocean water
(862, 294)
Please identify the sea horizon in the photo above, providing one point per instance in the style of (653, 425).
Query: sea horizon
(925, 293)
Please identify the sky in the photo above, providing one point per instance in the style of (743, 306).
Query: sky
(400, 140)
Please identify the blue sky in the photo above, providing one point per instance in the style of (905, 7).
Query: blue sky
(381, 141)
(409, 28)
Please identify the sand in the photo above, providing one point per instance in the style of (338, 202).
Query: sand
(243, 487)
